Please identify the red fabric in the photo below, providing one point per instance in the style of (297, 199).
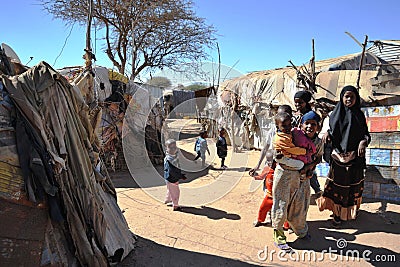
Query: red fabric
(286, 225)
(267, 175)
(266, 206)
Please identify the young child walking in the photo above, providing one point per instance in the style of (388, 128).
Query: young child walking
(222, 147)
(267, 175)
(172, 174)
(201, 147)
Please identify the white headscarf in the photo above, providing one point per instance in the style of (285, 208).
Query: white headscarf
(172, 158)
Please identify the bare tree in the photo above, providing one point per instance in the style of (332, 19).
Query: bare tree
(147, 34)
(159, 81)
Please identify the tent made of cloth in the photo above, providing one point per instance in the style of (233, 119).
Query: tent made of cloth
(102, 87)
(278, 86)
(55, 118)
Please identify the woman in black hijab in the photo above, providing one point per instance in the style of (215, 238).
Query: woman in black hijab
(349, 136)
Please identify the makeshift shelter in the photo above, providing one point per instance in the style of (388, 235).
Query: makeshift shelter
(108, 100)
(245, 103)
(178, 103)
(58, 204)
(260, 90)
(144, 115)
(279, 85)
(388, 50)
(202, 98)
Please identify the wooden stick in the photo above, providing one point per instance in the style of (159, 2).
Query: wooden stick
(219, 70)
(313, 75)
(313, 58)
(88, 51)
(361, 61)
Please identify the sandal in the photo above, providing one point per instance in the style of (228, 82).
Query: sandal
(257, 223)
(284, 247)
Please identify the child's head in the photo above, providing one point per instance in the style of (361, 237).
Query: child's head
(171, 146)
(221, 131)
(310, 123)
(203, 134)
(269, 156)
(350, 96)
(285, 108)
(301, 99)
(283, 122)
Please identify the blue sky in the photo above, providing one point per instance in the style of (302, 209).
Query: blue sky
(259, 34)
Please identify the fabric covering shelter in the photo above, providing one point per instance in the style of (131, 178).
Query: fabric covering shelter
(253, 94)
(53, 124)
(278, 86)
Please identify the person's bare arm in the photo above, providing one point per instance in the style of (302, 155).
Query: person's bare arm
(262, 156)
(361, 148)
(326, 138)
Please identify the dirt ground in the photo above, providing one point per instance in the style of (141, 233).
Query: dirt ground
(221, 233)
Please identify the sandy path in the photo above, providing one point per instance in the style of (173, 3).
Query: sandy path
(221, 233)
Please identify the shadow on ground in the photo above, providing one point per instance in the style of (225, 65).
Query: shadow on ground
(324, 236)
(150, 253)
(123, 179)
(211, 213)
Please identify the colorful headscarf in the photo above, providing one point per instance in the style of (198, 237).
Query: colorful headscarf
(311, 115)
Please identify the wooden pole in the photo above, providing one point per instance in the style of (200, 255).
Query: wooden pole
(234, 105)
(313, 58)
(361, 62)
(219, 69)
(88, 49)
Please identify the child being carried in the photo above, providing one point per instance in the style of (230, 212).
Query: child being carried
(293, 149)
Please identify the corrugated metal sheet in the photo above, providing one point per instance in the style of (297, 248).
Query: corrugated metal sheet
(387, 50)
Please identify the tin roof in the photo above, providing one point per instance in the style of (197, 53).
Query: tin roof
(388, 50)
